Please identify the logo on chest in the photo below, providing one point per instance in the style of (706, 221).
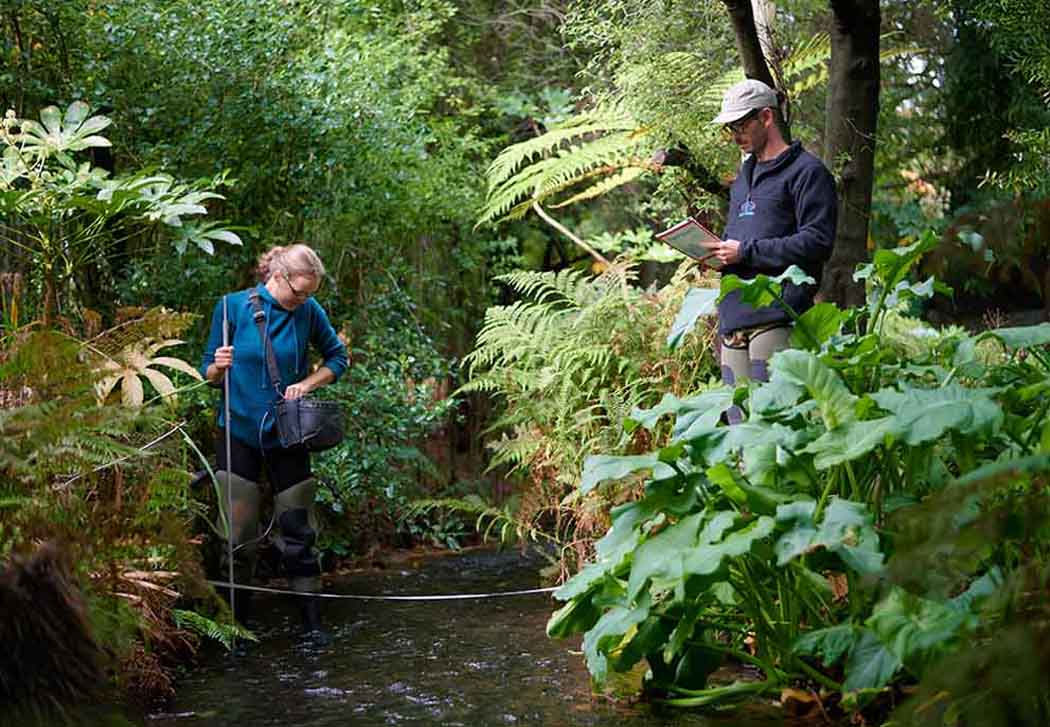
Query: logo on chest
(747, 208)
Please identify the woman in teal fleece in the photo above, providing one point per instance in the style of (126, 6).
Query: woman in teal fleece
(289, 277)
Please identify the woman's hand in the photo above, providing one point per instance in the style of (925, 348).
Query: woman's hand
(223, 360)
(296, 391)
(223, 357)
(316, 380)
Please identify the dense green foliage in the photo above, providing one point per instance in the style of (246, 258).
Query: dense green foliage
(802, 527)
(107, 483)
(366, 130)
(568, 362)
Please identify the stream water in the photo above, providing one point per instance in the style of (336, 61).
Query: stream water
(484, 662)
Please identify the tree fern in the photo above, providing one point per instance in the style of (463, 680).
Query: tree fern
(806, 67)
(603, 149)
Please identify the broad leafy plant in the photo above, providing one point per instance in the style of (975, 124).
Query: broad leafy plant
(125, 356)
(768, 542)
(62, 213)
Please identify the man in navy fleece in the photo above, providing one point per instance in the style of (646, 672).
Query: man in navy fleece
(782, 212)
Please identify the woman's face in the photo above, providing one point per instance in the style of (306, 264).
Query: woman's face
(293, 290)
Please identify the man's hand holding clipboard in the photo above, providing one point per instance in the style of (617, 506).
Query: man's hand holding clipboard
(699, 243)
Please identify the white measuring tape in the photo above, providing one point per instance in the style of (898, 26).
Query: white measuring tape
(355, 597)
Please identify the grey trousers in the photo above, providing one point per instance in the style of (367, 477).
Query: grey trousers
(745, 355)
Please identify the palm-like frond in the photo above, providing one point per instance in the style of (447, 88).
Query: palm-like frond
(592, 145)
(136, 361)
(806, 67)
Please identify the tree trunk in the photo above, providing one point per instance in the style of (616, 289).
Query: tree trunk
(849, 139)
(748, 44)
(752, 56)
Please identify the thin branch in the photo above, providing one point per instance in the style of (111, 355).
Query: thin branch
(158, 440)
(565, 231)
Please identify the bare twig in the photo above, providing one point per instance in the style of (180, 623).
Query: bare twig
(568, 233)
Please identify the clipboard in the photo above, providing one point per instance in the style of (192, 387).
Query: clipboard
(692, 239)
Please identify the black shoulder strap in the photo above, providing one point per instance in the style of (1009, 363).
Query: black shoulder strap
(260, 321)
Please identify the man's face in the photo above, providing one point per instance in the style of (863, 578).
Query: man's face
(750, 133)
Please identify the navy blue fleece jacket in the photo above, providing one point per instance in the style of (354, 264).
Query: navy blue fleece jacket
(251, 393)
(783, 212)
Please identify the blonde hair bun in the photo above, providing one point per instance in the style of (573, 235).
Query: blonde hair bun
(296, 259)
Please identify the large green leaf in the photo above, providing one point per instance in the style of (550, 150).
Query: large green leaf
(829, 644)
(762, 290)
(660, 557)
(647, 639)
(1021, 336)
(776, 395)
(602, 467)
(701, 413)
(891, 266)
(870, 665)
(918, 630)
(846, 530)
(708, 558)
(613, 550)
(698, 302)
(703, 410)
(756, 499)
(804, 369)
(905, 290)
(924, 415)
(714, 445)
(850, 442)
(608, 633)
(816, 326)
(576, 616)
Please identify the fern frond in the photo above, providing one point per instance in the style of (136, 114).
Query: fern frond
(806, 67)
(517, 451)
(589, 122)
(594, 143)
(550, 176)
(625, 176)
(810, 55)
(542, 285)
(225, 634)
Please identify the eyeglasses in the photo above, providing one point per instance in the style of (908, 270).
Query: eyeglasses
(299, 295)
(739, 125)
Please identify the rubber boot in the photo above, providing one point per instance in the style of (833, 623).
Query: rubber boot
(246, 497)
(313, 629)
(297, 535)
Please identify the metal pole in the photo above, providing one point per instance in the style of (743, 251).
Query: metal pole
(229, 464)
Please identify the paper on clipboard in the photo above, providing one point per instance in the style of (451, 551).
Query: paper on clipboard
(692, 239)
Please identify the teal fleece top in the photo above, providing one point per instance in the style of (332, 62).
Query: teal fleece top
(251, 393)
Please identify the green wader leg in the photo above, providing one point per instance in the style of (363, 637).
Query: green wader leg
(246, 496)
(297, 536)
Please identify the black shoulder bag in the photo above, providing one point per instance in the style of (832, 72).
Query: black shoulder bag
(311, 423)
